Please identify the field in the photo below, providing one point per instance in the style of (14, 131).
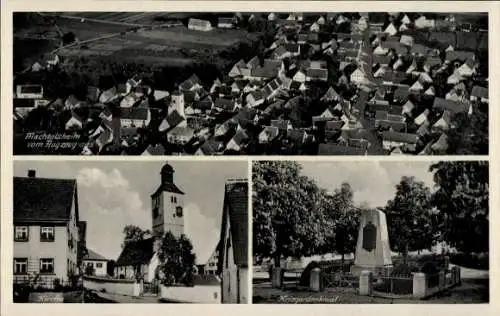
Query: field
(89, 29)
(176, 46)
(139, 18)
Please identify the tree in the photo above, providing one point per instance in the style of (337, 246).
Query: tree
(177, 260)
(89, 269)
(289, 212)
(68, 38)
(346, 218)
(409, 217)
(134, 233)
(471, 135)
(462, 198)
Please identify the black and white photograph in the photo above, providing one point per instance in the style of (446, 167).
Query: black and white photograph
(261, 83)
(382, 232)
(130, 232)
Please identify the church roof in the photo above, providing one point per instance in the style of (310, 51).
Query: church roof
(168, 187)
(167, 169)
(136, 252)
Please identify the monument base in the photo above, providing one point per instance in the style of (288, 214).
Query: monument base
(377, 271)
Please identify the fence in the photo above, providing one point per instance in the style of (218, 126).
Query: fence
(338, 279)
(417, 285)
(402, 285)
(47, 283)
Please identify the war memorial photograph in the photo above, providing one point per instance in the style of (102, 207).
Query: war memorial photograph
(130, 232)
(370, 232)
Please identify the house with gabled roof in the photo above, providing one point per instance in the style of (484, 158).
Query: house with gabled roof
(459, 55)
(180, 135)
(440, 147)
(210, 147)
(256, 98)
(45, 230)
(268, 134)
(199, 25)
(330, 149)
(239, 141)
(452, 106)
(75, 122)
(479, 93)
(468, 68)
(233, 244)
(134, 117)
(443, 123)
(95, 262)
(391, 140)
(108, 95)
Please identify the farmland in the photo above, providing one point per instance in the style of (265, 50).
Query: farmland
(173, 46)
(139, 18)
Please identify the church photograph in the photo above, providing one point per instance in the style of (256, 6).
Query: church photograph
(370, 232)
(132, 232)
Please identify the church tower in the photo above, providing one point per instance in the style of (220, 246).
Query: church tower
(167, 205)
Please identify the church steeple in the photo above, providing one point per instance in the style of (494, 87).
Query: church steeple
(167, 174)
(167, 204)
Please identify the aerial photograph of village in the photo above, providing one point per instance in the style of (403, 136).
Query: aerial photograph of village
(266, 83)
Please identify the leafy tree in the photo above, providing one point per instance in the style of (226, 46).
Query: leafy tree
(68, 38)
(177, 260)
(471, 135)
(289, 212)
(462, 198)
(89, 269)
(346, 221)
(110, 268)
(409, 217)
(134, 233)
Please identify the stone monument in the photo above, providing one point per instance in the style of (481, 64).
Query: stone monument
(373, 252)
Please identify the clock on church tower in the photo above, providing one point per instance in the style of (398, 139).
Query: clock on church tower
(167, 205)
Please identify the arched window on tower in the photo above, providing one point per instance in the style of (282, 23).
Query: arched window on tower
(178, 211)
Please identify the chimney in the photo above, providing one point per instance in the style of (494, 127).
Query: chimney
(31, 173)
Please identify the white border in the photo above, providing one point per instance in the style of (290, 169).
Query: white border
(8, 6)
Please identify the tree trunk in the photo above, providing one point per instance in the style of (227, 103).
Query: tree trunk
(277, 260)
(342, 260)
(405, 254)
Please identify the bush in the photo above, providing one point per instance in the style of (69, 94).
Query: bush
(473, 261)
(404, 269)
(21, 293)
(429, 267)
(57, 285)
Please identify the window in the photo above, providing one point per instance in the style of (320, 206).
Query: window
(47, 234)
(47, 265)
(178, 211)
(20, 265)
(21, 233)
(156, 213)
(98, 265)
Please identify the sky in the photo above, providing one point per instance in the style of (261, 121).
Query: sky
(373, 182)
(114, 194)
